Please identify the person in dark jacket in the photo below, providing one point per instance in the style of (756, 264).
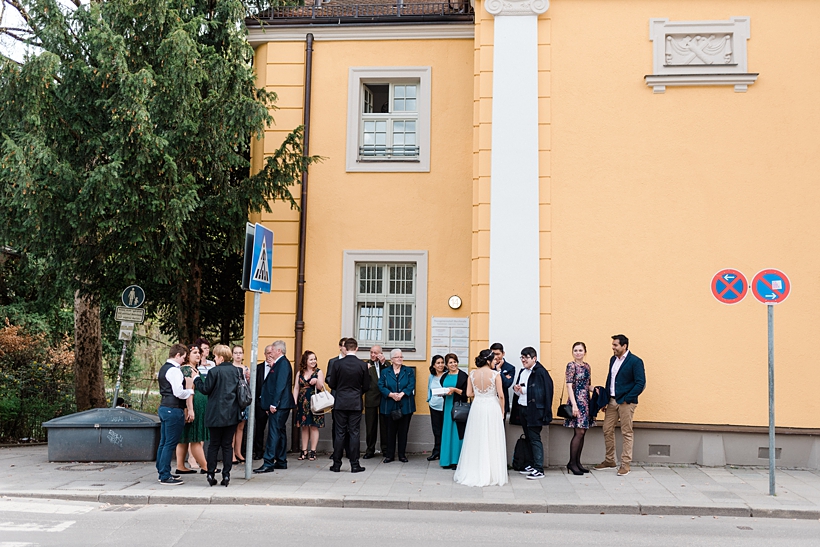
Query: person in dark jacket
(277, 400)
(397, 385)
(507, 372)
(375, 424)
(349, 381)
(223, 411)
(537, 393)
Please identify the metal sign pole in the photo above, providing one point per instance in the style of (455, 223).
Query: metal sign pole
(249, 428)
(119, 376)
(772, 451)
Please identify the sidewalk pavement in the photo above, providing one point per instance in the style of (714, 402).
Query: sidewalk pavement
(419, 484)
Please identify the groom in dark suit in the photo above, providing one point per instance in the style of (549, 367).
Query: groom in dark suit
(277, 400)
(350, 380)
(261, 424)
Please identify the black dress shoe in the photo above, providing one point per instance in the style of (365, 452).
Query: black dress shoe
(225, 480)
(335, 468)
(280, 465)
(356, 469)
(387, 460)
(204, 472)
(432, 457)
(403, 460)
(185, 471)
(264, 469)
(368, 456)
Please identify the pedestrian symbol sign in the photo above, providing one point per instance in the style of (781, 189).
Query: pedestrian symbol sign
(262, 260)
(771, 286)
(133, 296)
(729, 286)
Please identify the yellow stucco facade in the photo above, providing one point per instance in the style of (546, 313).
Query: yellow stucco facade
(642, 198)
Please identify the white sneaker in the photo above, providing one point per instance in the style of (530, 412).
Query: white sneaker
(535, 475)
(527, 470)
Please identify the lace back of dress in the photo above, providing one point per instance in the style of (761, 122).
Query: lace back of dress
(479, 388)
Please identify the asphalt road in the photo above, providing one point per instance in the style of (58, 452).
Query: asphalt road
(31, 523)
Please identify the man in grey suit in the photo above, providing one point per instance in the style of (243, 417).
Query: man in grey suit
(349, 382)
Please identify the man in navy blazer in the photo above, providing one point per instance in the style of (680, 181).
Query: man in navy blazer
(507, 372)
(625, 381)
(277, 400)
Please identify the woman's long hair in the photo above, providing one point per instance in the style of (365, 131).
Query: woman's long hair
(303, 362)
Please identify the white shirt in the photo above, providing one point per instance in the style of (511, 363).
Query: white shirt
(522, 382)
(175, 378)
(616, 366)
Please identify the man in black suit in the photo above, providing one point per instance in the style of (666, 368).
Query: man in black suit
(507, 372)
(330, 363)
(261, 417)
(625, 381)
(277, 400)
(537, 393)
(374, 422)
(350, 380)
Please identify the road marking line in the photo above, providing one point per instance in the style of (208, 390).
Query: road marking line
(45, 508)
(35, 527)
(15, 544)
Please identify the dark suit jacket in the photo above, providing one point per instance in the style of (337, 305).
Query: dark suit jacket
(278, 388)
(507, 379)
(349, 382)
(260, 381)
(329, 371)
(373, 397)
(405, 383)
(630, 381)
(539, 396)
(220, 387)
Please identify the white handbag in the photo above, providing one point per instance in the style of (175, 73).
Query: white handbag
(321, 402)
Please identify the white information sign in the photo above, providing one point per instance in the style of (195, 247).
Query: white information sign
(451, 335)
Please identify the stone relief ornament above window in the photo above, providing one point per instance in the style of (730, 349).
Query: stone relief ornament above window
(698, 53)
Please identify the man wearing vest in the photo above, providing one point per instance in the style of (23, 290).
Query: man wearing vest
(171, 415)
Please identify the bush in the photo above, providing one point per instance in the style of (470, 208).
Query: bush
(36, 383)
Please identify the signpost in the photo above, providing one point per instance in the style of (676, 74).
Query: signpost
(769, 287)
(256, 276)
(132, 297)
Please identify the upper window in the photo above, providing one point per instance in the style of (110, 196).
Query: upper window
(389, 119)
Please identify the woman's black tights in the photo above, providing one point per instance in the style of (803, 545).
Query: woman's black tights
(576, 446)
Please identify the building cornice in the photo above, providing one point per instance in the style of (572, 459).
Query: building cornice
(462, 31)
(516, 7)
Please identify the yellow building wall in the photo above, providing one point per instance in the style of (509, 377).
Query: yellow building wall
(653, 194)
(368, 211)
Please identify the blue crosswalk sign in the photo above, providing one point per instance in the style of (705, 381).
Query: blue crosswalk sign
(262, 261)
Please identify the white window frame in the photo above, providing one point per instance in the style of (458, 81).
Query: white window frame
(384, 75)
(349, 327)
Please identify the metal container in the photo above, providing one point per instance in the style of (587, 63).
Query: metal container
(103, 435)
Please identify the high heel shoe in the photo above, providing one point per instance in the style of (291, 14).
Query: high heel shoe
(574, 471)
(225, 480)
(211, 479)
(312, 455)
(583, 469)
(303, 455)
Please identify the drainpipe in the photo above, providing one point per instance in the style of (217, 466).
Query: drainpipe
(300, 283)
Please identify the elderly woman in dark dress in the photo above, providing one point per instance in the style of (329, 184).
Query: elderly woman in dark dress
(310, 380)
(577, 379)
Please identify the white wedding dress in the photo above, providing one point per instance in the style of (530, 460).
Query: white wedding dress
(483, 460)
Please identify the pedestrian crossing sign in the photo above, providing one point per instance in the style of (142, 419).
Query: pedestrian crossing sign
(262, 261)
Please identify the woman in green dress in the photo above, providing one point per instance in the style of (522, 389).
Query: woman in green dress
(195, 432)
(452, 433)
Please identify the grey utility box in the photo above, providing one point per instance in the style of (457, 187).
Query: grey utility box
(103, 435)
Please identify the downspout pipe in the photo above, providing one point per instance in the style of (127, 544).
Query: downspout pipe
(300, 284)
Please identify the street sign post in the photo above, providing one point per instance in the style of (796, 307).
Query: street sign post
(133, 297)
(729, 286)
(771, 287)
(258, 274)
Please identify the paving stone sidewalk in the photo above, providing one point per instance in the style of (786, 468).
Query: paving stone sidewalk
(419, 484)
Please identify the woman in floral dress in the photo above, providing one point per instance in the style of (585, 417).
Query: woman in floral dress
(310, 380)
(195, 432)
(577, 378)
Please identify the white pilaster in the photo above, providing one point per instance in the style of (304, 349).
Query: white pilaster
(514, 240)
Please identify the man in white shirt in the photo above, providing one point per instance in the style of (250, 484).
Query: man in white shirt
(174, 390)
(625, 381)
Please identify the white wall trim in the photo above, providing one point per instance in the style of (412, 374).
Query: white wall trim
(740, 81)
(270, 33)
(349, 260)
(357, 75)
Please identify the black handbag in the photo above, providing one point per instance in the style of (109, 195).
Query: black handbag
(396, 413)
(461, 411)
(564, 410)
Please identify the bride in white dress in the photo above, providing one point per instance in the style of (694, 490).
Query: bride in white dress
(483, 460)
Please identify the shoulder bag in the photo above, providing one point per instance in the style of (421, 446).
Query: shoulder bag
(243, 392)
(564, 410)
(321, 402)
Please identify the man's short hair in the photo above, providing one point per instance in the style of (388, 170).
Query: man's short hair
(497, 346)
(177, 349)
(530, 352)
(280, 345)
(351, 344)
(342, 341)
(622, 340)
(395, 352)
(267, 348)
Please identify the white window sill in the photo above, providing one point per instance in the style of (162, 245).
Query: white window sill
(659, 83)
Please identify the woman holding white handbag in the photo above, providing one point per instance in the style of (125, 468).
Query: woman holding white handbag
(311, 380)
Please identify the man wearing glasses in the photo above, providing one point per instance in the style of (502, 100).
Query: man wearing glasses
(533, 391)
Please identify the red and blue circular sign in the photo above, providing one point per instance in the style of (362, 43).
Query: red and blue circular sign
(771, 286)
(729, 286)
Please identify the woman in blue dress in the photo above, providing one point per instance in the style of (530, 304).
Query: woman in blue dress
(452, 432)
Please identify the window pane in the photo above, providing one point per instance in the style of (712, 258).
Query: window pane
(400, 323)
(370, 321)
(410, 139)
(381, 138)
(401, 279)
(410, 91)
(370, 279)
(369, 138)
(410, 105)
(381, 126)
(398, 105)
(398, 91)
(411, 126)
(398, 138)
(369, 127)
(398, 126)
